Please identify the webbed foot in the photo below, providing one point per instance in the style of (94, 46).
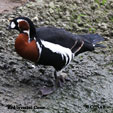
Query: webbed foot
(60, 78)
(44, 91)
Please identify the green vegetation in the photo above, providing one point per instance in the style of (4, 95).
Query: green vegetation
(79, 17)
(111, 18)
(92, 30)
(103, 2)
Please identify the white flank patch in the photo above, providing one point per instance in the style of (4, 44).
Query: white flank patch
(55, 48)
(40, 49)
(13, 25)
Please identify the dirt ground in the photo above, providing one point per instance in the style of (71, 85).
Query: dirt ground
(9, 5)
(90, 85)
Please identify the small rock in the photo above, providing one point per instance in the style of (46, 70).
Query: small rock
(103, 26)
(51, 5)
(51, 10)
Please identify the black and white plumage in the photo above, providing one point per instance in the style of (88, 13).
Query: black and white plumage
(55, 47)
(60, 46)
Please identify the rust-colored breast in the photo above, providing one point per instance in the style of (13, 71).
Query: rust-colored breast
(27, 50)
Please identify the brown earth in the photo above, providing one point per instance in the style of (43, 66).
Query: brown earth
(9, 5)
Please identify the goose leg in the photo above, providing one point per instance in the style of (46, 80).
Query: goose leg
(60, 78)
(59, 81)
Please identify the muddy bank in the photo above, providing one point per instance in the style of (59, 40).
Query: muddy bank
(9, 5)
(90, 84)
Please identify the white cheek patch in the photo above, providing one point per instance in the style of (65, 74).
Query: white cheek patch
(13, 25)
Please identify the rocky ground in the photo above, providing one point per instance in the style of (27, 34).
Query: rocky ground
(90, 85)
